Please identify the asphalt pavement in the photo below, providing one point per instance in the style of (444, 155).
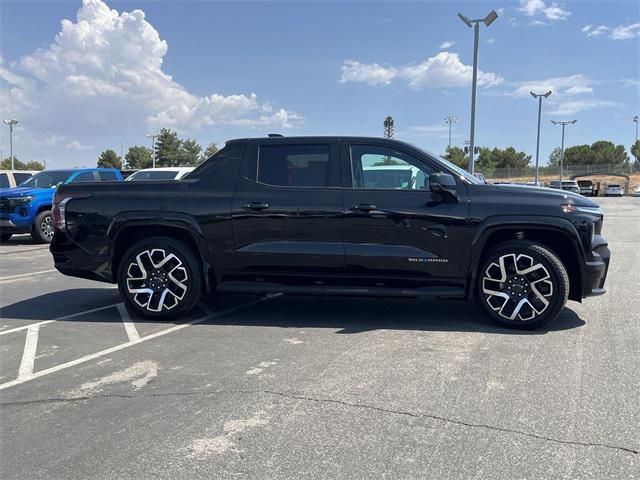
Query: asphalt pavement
(316, 387)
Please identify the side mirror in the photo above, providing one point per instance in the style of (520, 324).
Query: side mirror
(444, 184)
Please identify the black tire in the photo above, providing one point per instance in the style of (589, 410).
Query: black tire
(42, 231)
(522, 275)
(183, 287)
(5, 237)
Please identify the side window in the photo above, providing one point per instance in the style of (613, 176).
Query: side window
(4, 180)
(84, 177)
(107, 177)
(21, 177)
(383, 168)
(294, 165)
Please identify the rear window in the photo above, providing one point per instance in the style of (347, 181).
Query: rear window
(4, 180)
(108, 176)
(294, 165)
(84, 177)
(152, 175)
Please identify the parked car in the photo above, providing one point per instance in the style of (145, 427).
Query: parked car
(613, 191)
(13, 178)
(567, 185)
(481, 177)
(164, 173)
(636, 191)
(302, 215)
(586, 188)
(27, 208)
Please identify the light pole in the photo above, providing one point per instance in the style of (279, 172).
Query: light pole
(488, 20)
(153, 146)
(450, 120)
(11, 123)
(564, 124)
(539, 96)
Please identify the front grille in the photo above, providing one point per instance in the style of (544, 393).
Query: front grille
(6, 205)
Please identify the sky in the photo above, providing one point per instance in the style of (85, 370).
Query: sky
(85, 75)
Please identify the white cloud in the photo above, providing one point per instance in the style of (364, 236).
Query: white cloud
(596, 31)
(552, 11)
(443, 70)
(586, 28)
(571, 85)
(447, 44)
(104, 74)
(369, 73)
(626, 32)
(76, 145)
(571, 107)
(490, 40)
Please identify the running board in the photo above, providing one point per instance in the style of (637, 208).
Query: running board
(264, 287)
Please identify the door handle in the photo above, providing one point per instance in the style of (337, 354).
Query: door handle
(255, 206)
(438, 231)
(365, 207)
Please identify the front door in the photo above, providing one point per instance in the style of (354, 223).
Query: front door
(287, 211)
(396, 230)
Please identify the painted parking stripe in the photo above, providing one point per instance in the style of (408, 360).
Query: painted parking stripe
(132, 331)
(22, 275)
(122, 346)
(66, 317)
(29, 354)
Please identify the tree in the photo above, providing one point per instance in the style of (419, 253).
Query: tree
(5, 164)
(554, 157)
(490, 159)
(456, 156)
(138, 157)
(168, 149)
(109, 159)
(190, 153)
(210, 151)
(388, 127)
(635, 151)
(601, 152)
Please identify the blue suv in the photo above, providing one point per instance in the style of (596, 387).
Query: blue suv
(27, 207)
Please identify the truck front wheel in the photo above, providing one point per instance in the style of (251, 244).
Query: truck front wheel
(522, 285)
(160, 277)
(42, 231)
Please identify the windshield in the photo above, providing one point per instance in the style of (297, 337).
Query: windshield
(463, 173)
(153, 175)
(47, 179)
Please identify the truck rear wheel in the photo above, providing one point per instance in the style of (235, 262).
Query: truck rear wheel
(42, 231)
(523, 285)
(160, 277)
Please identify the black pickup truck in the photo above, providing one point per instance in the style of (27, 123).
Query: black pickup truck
(330, 216)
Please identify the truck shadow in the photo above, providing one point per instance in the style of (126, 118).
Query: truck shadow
(346, 315)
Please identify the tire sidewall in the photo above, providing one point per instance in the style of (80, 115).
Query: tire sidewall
(190, 263)
(556, 271)
(37, 230)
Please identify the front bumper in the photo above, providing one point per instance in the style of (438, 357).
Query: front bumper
(595, 268)
(14, 224)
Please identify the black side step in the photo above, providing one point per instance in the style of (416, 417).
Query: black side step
(265, 287)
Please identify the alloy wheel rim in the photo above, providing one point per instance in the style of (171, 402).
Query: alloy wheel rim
(517, 287)
(157, 280)
(46, 227)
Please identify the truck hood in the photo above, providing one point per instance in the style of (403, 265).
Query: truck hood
(544, 195)
(22, 191)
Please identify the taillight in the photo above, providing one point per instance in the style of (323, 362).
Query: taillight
(58, 212)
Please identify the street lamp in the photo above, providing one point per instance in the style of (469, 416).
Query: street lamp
(153, 146)
(539, 96)
(11, 123)
(449, 120)
(488, 20)
(564, 124)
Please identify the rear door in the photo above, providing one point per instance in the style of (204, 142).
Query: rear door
(396, 229)
(288, 211)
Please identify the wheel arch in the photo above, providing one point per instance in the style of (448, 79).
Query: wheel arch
(123, 232)
(556, 234)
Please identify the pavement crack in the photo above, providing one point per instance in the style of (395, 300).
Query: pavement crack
(325, 399)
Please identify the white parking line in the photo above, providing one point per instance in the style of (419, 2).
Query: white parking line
(22, 275)
(122, 346)
(29, 353)
(66, 317)
(129, 326)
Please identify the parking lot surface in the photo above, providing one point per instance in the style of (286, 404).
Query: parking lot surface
(317, 387)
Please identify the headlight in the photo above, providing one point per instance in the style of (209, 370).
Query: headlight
(569, 208)
(20, 200)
